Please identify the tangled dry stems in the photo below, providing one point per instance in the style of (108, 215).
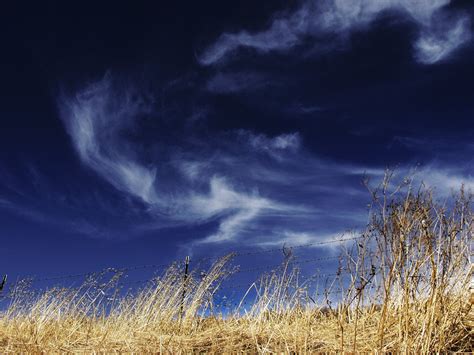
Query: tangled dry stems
(408, 290)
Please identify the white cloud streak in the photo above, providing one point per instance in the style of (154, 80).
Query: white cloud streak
(243, 192)
(337, 18)
(94, 119)
(263, 143)
(445, 181)
(433, 46)
(223, 199)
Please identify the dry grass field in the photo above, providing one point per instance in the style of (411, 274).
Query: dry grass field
(408, 290)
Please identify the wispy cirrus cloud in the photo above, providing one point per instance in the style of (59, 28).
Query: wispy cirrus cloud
(445, 180)
(94, 118)
(238, 189)
(98, 119)
(438, 42)
(272, 145)
(243, 208)
(438, 35)
(243, 186)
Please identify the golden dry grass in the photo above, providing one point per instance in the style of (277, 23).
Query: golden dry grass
(408, 291)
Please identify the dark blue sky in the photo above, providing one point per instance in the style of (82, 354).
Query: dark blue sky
(142, 132)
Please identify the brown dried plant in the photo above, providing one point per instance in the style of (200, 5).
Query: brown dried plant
(408, 291)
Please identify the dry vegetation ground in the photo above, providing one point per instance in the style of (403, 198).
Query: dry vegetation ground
(408, 291)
